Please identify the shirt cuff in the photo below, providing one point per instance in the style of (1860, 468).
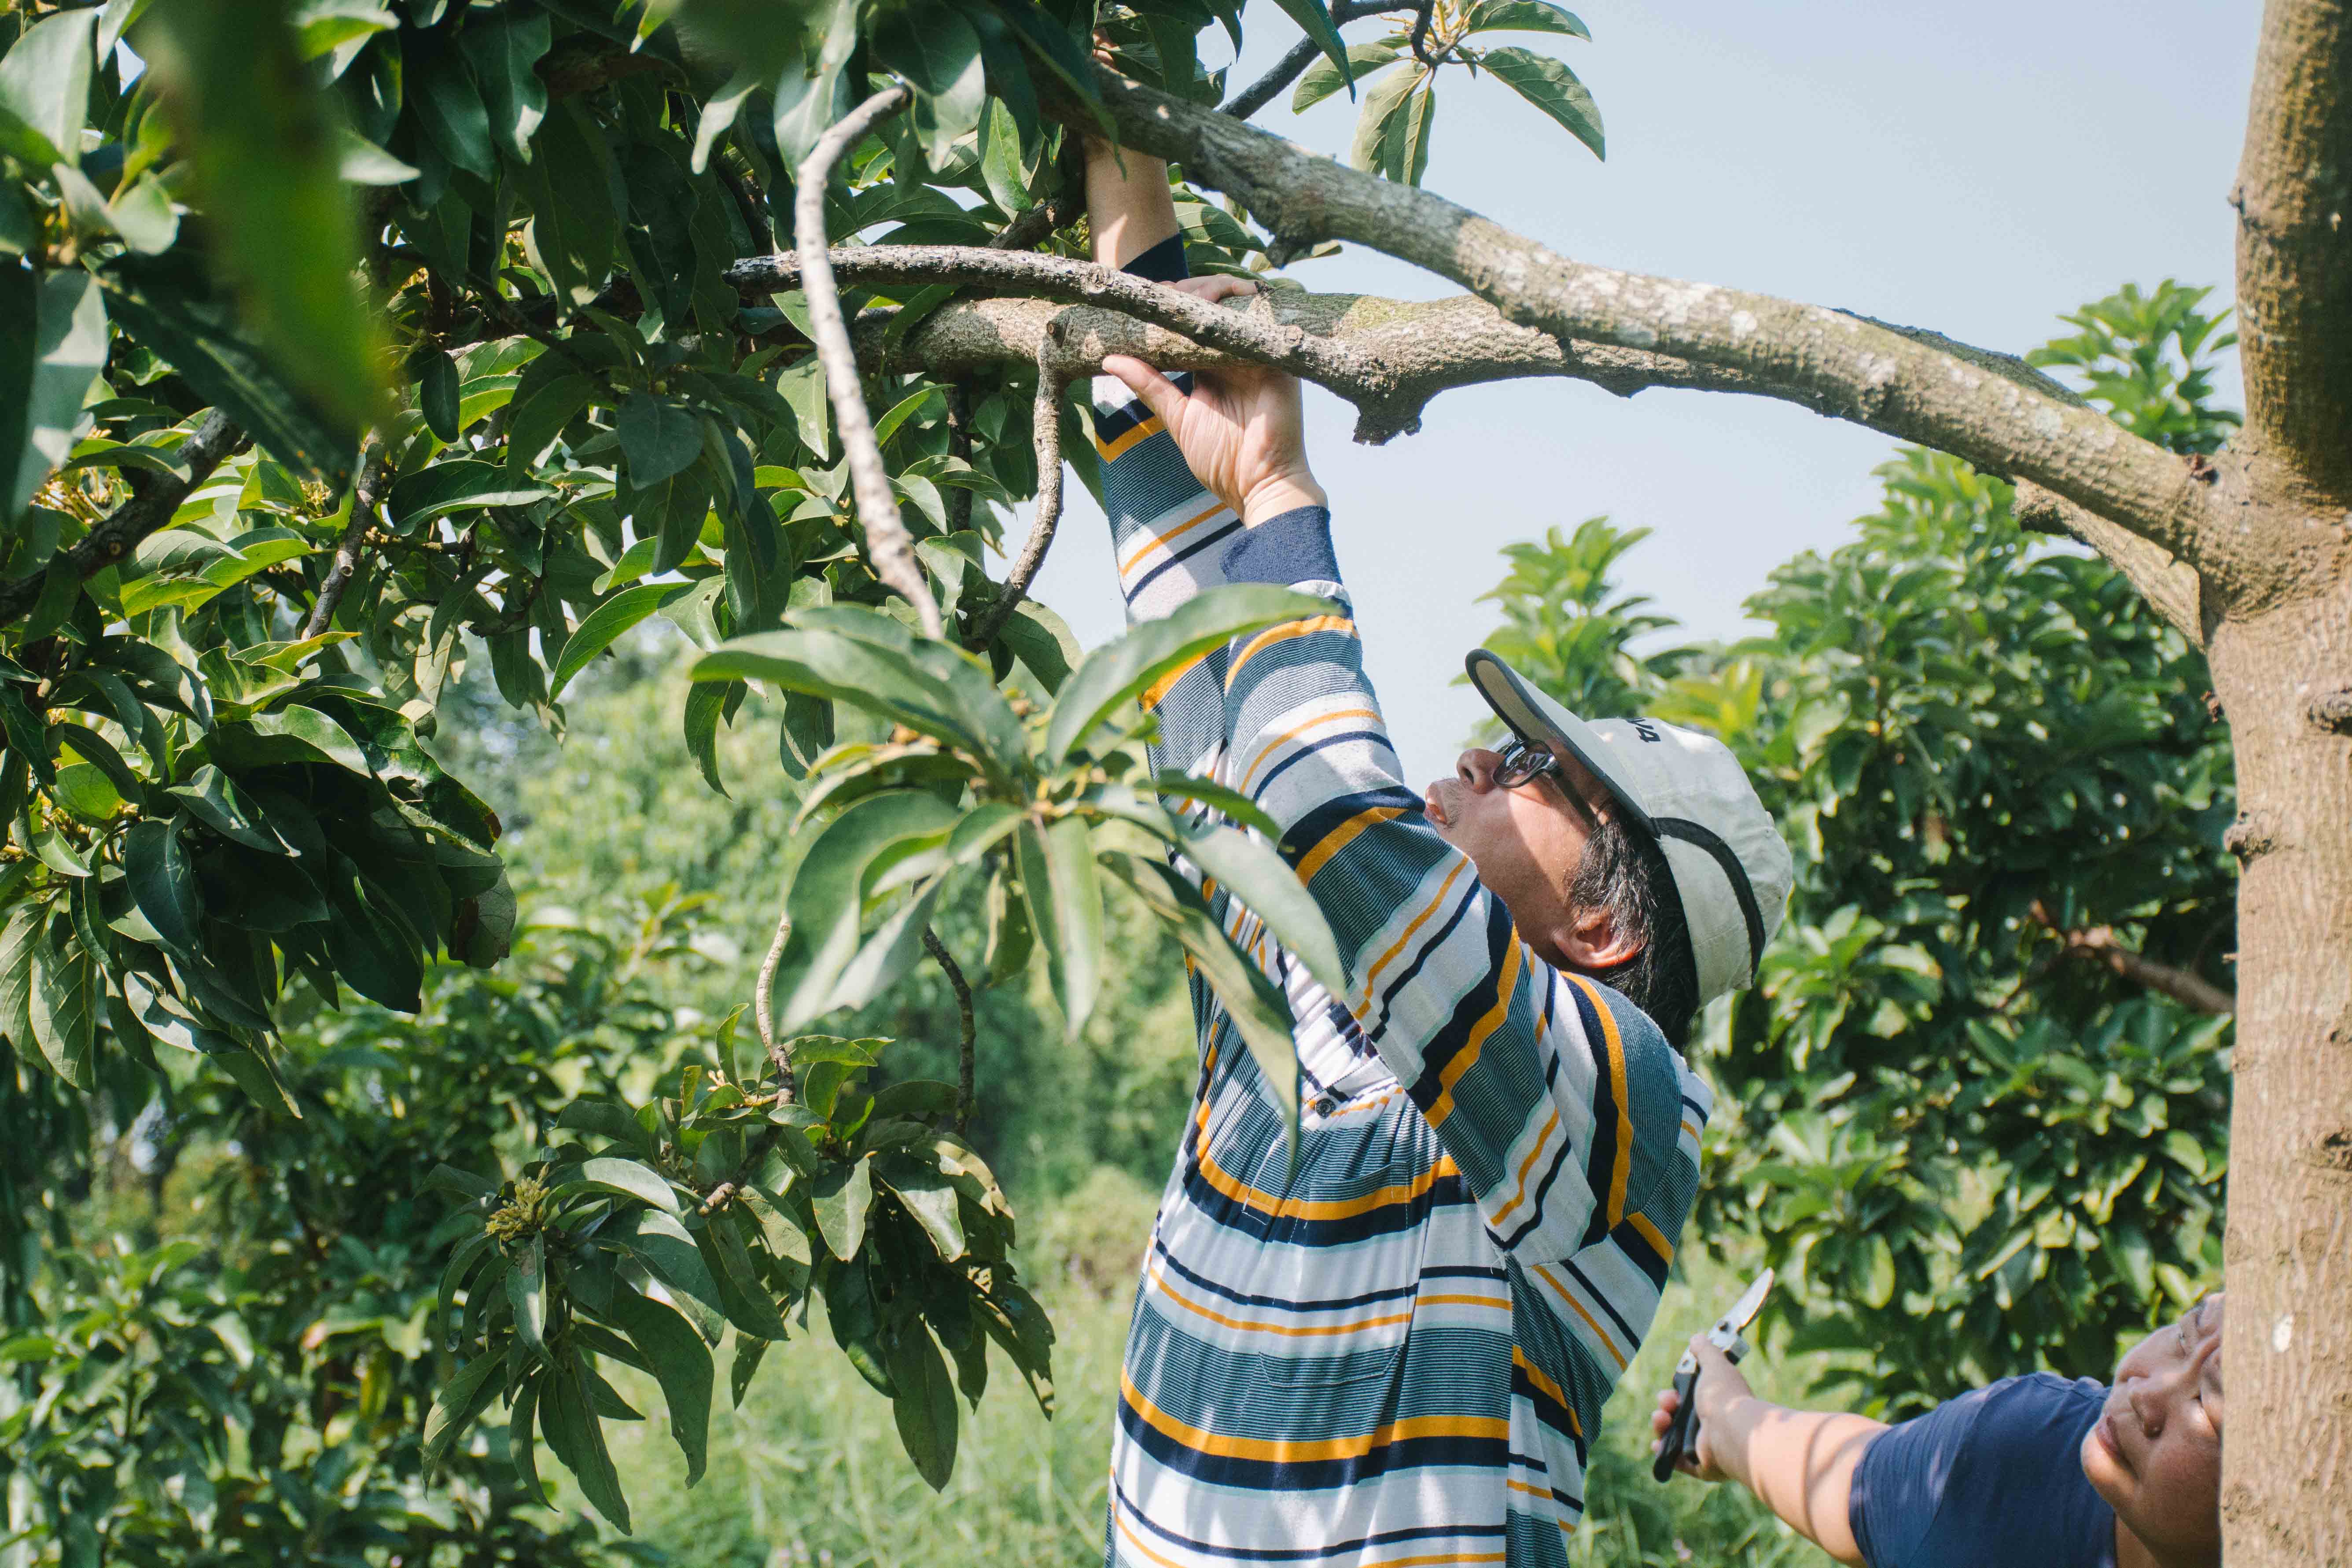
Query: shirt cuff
(1287, 548)
(1163, 263)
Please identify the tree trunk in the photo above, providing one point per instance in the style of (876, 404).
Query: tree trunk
(2286, 677)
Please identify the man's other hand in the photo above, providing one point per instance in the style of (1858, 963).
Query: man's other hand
(1720, 1386)
(1240, 430)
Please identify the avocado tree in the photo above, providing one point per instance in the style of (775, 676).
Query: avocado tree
(346, 342)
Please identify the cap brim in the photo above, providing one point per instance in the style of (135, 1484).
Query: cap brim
(1539, 720)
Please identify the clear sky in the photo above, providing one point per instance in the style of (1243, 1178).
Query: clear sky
(1976, 169)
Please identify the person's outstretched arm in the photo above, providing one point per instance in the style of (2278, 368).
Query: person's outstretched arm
(1800, 1463)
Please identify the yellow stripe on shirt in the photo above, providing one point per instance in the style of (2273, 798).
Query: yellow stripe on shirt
(1615, 1044)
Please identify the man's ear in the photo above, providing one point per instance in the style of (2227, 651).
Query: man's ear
(1589, 940)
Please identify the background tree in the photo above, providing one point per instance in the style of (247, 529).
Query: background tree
(1981, 1087)
(565, 210)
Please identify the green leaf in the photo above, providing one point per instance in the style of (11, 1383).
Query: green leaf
(673, 511)
(1002, 168)
(659, 1242)
(45, 88)
(456, 1404)
(457, 484)
(166, 304)
(930, 1196)
(1552, 88)
(526, 1294)
(625, 1178)
(142, 215)
(1010, 939)
(1378, 123)
(742, 1294)
(437, 393)
(1057, 880)
(163, 884)
(1406, 151)
(841, 1199)
(602, 625)
(939, 54)
(827, 893)
(305, 734)
(54, 366)
(574, 225)
(568, 1415)
(278, 217)
(680, 1363)
(360, 162)
(1120, 672)
(659, 437)
(521, 1444)
(1254, 872)
(1322, 78)
(447, 105)
(25, 924)
(503, 53)
(1523, 16)
(1315, 18)
(719, 115)
(1257, 1007)
(64, 1008)
(1240, 807)
(748, 1349)
(925, 1404)
(705, 704)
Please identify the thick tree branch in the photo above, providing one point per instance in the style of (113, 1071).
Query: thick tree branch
(1835, 363)
(2098, 944)
(1388, 357)
(1285, 71)
(366, 492)
(889, 547)
(2294, 196)
(153, 501)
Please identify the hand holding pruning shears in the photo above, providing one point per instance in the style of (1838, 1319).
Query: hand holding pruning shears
(1705, 1380)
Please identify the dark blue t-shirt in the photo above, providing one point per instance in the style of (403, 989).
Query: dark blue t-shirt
(1979, 1477)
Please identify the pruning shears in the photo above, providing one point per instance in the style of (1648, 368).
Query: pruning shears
(1682, 1437)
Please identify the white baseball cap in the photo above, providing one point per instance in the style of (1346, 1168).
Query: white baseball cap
(1689, 793)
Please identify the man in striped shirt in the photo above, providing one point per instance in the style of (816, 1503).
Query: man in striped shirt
(1394, 1352)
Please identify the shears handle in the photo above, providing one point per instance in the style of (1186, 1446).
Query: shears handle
(1682, 1433)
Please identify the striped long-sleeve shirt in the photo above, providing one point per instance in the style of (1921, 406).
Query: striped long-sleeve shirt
(1396, 1352)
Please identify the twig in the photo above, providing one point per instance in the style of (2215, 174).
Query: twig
(1033, 224)
(763, 1010)
(964, 1058)
(1046, 422)
(889, 545)
(1419, 40)
(958, 497)
(153, 501)
(366, 490)
(1261, 91)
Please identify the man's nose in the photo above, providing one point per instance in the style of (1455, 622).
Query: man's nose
(2149, 1400)
(1476, 767)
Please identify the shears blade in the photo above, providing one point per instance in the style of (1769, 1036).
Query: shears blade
(1743, 1311)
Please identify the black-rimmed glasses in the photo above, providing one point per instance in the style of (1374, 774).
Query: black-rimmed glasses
(1521, 762)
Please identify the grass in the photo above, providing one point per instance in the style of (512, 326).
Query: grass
(809, 1471)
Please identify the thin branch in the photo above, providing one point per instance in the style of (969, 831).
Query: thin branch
(153, 500)
(2293, 193)
(366, 492)
(1046, 422)
(1835, 363)
(2099, 944)
(888, 546)
(763, 1011)
(966, 1053)
(1035, 223)
(1261, 91)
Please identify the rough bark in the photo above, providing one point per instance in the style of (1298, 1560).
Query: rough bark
(1388, 357)
(2286, 1495)
(1907, 384)
(2294, 196)
(889, 547)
